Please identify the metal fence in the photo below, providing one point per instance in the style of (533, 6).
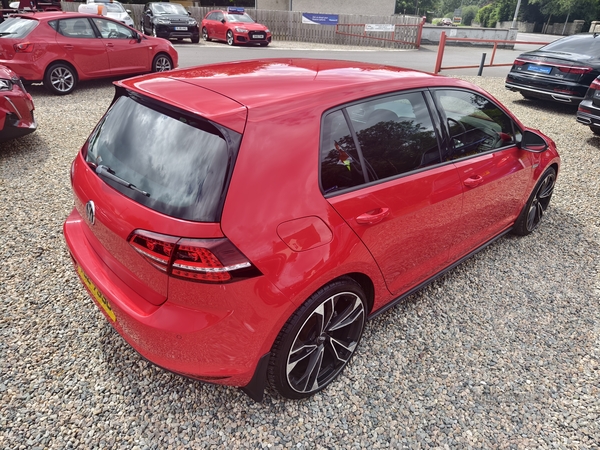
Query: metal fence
(288, 26)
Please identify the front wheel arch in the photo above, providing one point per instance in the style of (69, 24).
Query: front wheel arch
(159, 63)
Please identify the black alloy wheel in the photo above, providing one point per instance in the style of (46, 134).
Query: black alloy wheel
(538, 202)
(318, 340)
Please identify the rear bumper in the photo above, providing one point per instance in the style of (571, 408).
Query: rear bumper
(221, 339)
(588, 114)
(26, 70)
(543, 88)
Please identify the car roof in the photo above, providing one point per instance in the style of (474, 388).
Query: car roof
(271, 84)
(51, 15)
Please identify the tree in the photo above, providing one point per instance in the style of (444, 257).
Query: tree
(415, 6)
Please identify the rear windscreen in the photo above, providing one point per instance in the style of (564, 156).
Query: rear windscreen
(582, 44)
(179, 165)
(17, 27)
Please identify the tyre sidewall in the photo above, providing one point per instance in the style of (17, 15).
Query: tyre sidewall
(47, 78)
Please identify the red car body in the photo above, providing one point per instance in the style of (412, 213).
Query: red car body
(33, 43)
(283, 218)
(234, 27)
(16, 107)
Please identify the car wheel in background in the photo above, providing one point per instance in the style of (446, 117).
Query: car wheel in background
(195, 39)
(229, 38)
(60, 79)
(263, 44)
(154, 31)
(161, 63)
(317, 342)
(538, 202)
(205, 34)
(595, 129)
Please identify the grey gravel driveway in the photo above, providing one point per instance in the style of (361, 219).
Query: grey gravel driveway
(503, 352)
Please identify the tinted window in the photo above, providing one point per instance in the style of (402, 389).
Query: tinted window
(182, 162)
(169, 8)
(583, 44)
(340, 162)
(76, 28)
(395, 135)
(16, 27)
(239, 18)
(475, 124)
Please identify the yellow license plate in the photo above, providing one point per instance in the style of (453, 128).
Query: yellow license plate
(100, 298)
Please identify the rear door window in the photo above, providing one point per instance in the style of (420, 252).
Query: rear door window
(183, 163)
(377, 139)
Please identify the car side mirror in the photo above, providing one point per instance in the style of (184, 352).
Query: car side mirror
(128, 11)
(189, 13)
(533, 142)
(138, 36)
(148, 12)
(223, 21)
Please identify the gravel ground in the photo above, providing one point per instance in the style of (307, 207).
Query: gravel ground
(503, 352)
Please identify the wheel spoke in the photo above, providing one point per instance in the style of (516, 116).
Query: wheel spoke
(531, 217)
(309, 380)
(546, 188)
(299, 354)
(348, 316)
(349, 348)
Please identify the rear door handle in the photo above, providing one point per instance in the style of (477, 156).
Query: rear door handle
(109, 44)
(473, 181)
(373, 217)
(68, 47)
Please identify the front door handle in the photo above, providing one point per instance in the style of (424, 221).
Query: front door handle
(68, 47)
(373, 217)
(474, 181)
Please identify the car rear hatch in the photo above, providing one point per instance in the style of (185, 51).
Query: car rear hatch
(13, 33)
(150, 183)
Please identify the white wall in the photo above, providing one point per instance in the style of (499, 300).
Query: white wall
(375, 7)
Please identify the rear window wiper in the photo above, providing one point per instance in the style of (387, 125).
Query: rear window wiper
(107, 172)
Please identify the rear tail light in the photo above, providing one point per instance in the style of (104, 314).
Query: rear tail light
(203, 260)
(520, 62)
(575, 70)
(595, 84)
(23, 47)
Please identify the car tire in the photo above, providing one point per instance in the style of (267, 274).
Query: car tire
(595, 129)
(527, 96)
(195, 39)
(162, 63)
(60, 79)
(316, 343)
(153, 31)
(205, 35)
(230, 40)
(536, 205)
(263, 44)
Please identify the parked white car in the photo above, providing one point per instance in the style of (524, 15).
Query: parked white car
(115, 10)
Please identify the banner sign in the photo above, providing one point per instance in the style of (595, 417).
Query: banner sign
(380, 27)
(320, 19)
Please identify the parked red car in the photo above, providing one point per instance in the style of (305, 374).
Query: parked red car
(16, 107)
(240, 222)
(62, 49)
(234, 26)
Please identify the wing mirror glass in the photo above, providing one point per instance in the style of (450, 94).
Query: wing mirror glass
(533, 142)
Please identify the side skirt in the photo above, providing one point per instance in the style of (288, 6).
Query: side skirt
(435, 277)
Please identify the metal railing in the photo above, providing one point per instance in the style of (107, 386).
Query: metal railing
(442, 46)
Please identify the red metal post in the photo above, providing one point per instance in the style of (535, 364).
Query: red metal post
(419, 32)
(440, 55)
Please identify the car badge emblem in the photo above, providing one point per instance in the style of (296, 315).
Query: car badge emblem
(90, 212)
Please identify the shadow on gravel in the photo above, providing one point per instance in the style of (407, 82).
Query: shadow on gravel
(19, 156)
(548, 106)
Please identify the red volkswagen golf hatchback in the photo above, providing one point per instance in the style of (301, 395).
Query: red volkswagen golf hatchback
(238, 223)
(62, 49)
